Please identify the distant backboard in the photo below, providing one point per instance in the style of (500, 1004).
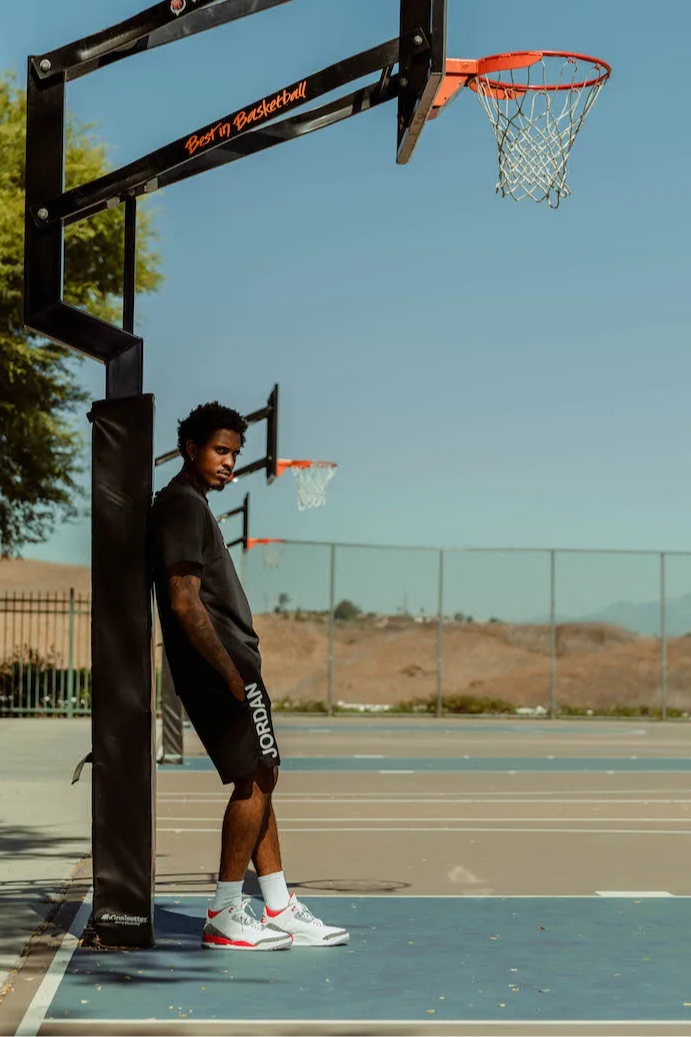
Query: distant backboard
(422, 67)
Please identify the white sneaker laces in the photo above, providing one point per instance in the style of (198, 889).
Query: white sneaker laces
(246, 915)
(305, 915)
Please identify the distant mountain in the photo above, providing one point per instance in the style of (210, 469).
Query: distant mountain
(642, 618)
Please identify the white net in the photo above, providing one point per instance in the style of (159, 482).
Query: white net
(273, 553)
(312, 482)
(536, 113)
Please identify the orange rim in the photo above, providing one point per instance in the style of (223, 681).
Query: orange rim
(466, 72)
(514, 89)
(282, 465)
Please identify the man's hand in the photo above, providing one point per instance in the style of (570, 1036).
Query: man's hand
(237, 687)
(197, 625)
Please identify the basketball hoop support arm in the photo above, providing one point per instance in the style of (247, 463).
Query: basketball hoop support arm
(151, 28)
(243, 510)
(245, 131)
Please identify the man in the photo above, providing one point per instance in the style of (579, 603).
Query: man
(214, 659)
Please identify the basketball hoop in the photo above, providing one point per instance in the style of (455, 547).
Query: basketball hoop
(272, 550)
(312, 479)
(536, 102)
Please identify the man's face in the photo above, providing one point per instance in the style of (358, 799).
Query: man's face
(214, 462)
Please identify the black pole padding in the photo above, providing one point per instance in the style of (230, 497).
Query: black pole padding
(123, 691)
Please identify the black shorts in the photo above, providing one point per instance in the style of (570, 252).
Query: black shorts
(237, 735)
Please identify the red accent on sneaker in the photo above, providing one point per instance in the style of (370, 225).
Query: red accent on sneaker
(224, 942)
(212, 914)
(274, 914)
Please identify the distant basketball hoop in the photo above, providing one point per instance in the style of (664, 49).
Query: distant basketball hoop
(312, 479)
(272, 550)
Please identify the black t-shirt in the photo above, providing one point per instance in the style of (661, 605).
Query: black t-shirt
(183, 529)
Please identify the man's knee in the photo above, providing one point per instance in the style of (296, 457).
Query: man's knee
(262, 782)
(266, 778)
(243, 788)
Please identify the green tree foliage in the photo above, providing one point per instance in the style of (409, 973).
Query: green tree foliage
(346, 610)
(40, 451)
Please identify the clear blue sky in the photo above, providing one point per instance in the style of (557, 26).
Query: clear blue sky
(484, 373)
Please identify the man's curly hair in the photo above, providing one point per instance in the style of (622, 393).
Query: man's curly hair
(201, 423)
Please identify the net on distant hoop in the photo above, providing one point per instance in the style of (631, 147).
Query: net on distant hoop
(312, 479)
(273, 554)
(536, 113)
(272, 550)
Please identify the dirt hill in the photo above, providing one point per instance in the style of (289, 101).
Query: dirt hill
(27, 575)
(388, 660)
(597, 664)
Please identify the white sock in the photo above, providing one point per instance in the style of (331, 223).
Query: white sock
(274, 890)
(228, 894)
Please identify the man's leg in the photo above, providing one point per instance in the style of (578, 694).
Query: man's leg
(244, 820)
(282, 910)
(267, 860)
(228, 923)
(267, 852)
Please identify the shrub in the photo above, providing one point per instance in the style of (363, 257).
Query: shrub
(32, 681)
(346, 610)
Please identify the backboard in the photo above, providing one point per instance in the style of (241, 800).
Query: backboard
(422, 67)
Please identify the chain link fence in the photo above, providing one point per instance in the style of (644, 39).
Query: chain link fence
(524, 631)
(377, 628)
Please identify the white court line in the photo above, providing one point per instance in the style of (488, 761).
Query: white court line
(643, 894)
(444, 896)
(416, 828)
(35, 1013)
(441, 795)
(445, 802)
(476, 1024)
(507, 820)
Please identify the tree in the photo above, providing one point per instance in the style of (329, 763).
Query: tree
(346, 610)
(40, 450)
(283, 600)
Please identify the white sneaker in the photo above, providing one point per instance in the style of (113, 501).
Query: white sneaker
(305, 929)
(238, 929)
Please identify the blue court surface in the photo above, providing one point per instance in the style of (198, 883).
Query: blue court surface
(528, 764)
(409, 959)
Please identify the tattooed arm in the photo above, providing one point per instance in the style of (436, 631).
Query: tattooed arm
(196, 623)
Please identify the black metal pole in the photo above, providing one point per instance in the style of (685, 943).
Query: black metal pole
(245, 521)
(129, 288)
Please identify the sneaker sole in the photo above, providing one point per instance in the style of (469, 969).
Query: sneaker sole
(228, 945)
(301, 940)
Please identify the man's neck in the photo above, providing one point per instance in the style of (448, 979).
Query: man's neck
(189, 475)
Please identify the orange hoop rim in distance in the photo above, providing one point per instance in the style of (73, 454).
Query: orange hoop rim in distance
(254, 541)
(282, 465)
(523, 59)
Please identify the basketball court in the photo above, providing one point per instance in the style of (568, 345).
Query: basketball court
(496, 876)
